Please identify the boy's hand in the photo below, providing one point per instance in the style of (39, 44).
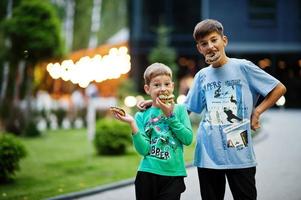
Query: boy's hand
(121, 115)
(143, 105)
(166, 108)
(127, 118)
(255, 121)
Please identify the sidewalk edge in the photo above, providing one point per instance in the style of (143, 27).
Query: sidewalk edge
(98, 190)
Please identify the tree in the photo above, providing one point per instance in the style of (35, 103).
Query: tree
(34, 32)
(162, 52)
(35, 28)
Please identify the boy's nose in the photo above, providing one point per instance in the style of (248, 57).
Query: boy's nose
(210, 45)
(163, 88)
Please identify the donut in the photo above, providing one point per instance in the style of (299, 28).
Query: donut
(120, 111)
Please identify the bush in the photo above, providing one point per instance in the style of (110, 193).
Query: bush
(112, 137)
(11, 151)
(60, 114)
(15, 122)
(31, 130)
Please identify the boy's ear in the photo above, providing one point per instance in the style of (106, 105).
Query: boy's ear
(225, 39)
(173, 85)
(146, 89)
(198, 48)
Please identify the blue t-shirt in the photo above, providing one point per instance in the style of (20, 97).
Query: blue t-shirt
(227, 96)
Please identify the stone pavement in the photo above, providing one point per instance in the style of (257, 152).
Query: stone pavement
(278, 152)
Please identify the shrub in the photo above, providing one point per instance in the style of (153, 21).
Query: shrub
(15, 122)
(112, 137)
(60, 114)
(31, 130)
(11, 151)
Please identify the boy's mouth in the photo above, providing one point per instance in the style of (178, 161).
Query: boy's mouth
(166, 98)
(210, 58)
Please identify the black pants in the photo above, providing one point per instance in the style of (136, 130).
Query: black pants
(150, 186)
(241, 183)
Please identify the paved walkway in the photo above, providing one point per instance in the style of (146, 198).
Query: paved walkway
(278, 151)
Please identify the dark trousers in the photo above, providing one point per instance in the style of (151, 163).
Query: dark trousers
(150, 186)
(241, 183)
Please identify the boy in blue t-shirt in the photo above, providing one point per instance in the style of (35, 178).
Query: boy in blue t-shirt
(227, 92)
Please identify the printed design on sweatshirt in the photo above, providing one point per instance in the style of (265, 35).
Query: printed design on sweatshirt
(161, 140)
(226, 110)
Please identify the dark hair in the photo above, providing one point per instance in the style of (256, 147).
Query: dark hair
(206, 27)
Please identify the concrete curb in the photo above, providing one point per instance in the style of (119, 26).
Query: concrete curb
(98, 190)
(95, 190)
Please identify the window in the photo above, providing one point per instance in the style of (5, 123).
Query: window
(185, 15)
(171, 13)
(153, 14)
(299, 11)
(262, 12)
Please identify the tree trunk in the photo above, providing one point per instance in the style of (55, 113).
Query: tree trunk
(10, 115)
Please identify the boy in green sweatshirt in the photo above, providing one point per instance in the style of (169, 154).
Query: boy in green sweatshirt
(159, 134)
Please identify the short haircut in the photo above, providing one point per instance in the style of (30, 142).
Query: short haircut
(156, 69)
(206, 27)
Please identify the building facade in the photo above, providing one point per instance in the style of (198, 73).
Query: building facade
(267, 32)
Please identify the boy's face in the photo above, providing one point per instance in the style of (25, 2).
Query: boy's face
(158, 85)
(212, 47)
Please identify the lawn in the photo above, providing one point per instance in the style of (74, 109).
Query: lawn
(65, 161)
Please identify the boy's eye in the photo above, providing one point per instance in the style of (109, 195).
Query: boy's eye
(203, 44)
(157, 85)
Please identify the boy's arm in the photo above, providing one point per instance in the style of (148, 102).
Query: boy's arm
(183, 133)
(140, 139)
(181, 127)
(141, 142)
(178, 120)
(268, 102)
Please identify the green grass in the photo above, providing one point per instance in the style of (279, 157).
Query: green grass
(64, 161)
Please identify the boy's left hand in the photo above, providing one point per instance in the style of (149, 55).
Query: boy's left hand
(167, 109)
(255, 121)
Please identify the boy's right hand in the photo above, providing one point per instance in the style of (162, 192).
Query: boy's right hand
(122, 116)
(127, 118)
(143, 105)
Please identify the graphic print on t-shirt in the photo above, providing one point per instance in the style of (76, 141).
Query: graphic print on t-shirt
(224, 104)
(237, 135)
(161, 140)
